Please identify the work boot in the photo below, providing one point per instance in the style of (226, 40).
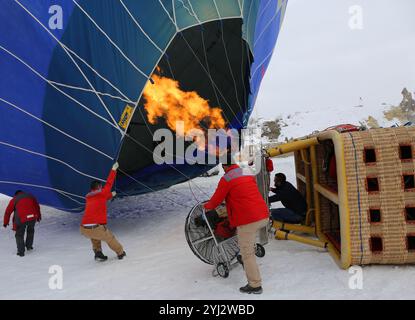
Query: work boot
(29, 248)
(99, 256)
(122, 255)
(20, 254)
(248, 289)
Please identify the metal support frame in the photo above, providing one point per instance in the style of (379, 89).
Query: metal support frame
(313, 187)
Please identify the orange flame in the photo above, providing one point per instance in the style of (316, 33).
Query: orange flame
(165, 99)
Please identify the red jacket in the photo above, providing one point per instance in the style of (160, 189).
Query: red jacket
(96, 202)
(25, 208)
(244, 202)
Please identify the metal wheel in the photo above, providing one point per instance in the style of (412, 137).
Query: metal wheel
(203, 243)
(198, 237)
(259, 251)
(223, 270)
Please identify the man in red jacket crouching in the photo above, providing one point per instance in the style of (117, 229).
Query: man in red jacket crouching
(248, 212)
(94, 222)
(26, 212)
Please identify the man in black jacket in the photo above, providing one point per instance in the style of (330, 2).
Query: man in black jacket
(295, 205)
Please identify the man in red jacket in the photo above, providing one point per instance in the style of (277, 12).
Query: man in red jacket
(248, 212)
(26, 212)
(94, 222)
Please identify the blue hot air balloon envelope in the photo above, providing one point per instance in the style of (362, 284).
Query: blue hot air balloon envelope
(70, 69)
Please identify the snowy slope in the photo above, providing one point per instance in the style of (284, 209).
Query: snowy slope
(300, 123)
(160, 265)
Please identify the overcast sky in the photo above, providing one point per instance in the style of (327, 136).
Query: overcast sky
(321, 62)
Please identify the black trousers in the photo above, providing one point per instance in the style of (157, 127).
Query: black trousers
(29, 229)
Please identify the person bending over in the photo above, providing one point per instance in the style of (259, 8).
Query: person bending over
(248, 212)
(26, 211)
(295, 206)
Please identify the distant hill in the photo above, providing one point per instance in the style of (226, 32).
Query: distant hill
(288, 125)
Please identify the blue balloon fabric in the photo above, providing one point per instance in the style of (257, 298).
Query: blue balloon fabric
(69, 68)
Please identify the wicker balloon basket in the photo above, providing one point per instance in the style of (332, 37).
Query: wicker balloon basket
(360, 190)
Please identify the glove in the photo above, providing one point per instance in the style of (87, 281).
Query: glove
(38, 219)
(5, 225)
(114, 194)
(115, 166)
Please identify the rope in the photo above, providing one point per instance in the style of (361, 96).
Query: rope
(263, 9)
(55, 128)
(358, 200)
(174, 16)
(139, 26)
(167, 13)
(260, 36)
(191, 190)
(188, 10)
(173, 167)
(214, 87)
(70, 52)
(151, 189)
(267, 26)
(61, 192)
(74, 62)
(51, 158)
(260, 65)
(59, 90)
(243, 67)
(248, 20)
(91, 91)
(96, 72)
(110, 40)
(227, 57)
(209, 75)
(202, 34)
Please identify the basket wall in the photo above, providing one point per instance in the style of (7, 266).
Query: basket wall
(391, 199)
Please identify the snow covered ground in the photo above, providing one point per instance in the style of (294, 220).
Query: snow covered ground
(296, 123)
(303, 123)
(160, 264)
